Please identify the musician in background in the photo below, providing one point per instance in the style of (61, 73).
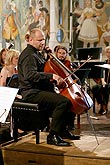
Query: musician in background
(2, 57)
(9, 68)
(35, 84)
(61, 53)
(101, 91)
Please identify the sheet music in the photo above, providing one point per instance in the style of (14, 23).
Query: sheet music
(107, 66)
(7, 96)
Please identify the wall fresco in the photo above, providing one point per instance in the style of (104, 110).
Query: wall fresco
(94, 15)
(18, 17)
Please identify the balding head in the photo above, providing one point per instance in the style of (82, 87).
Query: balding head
(36, 32)
(36, 38)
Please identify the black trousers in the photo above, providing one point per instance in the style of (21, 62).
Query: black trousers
(101, 93)
(57, 107)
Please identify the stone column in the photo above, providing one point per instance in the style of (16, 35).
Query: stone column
(54, 23)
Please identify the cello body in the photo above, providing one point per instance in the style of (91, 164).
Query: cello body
(80, 100)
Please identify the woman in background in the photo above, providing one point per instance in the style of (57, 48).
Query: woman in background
(9, 68)
(2, 57)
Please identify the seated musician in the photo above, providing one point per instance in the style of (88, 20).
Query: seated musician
(61, 53)
(36, 87)
(101, 91)
(9, 67)
(2, 57)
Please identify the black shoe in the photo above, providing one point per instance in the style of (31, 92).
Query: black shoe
(68, 135)
(103, 112)
(57, 140)
(22, 134)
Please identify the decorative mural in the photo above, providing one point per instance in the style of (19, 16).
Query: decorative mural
(91, 23)
(18, 17)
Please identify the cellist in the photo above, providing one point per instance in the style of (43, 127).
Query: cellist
(34, 85)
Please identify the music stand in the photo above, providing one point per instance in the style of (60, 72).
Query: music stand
(85, 53)
(95, 53)
(7, 96)
(82, 74)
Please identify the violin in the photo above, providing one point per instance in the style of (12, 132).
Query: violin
(80, 100)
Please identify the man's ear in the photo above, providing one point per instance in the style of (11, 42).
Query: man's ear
(27, 36)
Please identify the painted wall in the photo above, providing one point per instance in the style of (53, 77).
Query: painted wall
(16, 18)
(20, 14)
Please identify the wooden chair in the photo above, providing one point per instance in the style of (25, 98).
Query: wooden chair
(26, 116)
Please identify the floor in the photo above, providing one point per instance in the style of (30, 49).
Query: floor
(92, 149)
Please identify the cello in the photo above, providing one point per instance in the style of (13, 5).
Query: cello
(80, 100)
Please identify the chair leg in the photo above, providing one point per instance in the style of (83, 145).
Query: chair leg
(11, 123)
(15, 129)
(78, 121)
(94, 105)
(37, 133)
